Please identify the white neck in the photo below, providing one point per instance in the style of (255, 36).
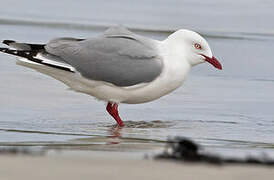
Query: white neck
(176, 67)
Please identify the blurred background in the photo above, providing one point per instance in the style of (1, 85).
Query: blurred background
(223, 110)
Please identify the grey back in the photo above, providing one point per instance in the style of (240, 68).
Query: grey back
(119, 57)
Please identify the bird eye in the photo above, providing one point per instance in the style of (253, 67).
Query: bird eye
(198, 46)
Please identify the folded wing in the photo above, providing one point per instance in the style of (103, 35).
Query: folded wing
(119, 57)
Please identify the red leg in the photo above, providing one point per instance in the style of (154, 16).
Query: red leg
(112, 109)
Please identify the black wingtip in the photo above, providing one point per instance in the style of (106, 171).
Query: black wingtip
(7, 42)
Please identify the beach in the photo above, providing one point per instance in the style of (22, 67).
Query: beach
(119, 166)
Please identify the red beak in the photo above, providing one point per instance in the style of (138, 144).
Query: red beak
(213, 61)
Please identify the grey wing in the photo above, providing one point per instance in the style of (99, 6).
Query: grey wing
(119, 57)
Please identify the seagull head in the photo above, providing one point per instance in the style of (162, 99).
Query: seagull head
(193, 47)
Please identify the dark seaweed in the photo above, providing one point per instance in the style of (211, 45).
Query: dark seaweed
(185, 150)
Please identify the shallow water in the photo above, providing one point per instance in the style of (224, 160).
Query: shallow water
(228, 111)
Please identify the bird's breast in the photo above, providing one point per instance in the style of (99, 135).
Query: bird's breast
(173, 75)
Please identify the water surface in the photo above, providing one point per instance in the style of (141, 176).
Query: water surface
(228, 111)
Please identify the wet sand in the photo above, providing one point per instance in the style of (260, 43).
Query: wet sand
(117, 165)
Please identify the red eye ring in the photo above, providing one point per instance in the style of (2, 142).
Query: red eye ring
(198, 46)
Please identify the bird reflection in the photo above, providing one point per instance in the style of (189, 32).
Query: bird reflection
(114, 134)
